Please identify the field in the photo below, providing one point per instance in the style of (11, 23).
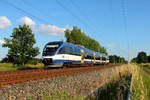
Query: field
(11, 67)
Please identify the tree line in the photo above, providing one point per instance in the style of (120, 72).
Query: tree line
(116, 59)
(76, 36)
(142, 57)
(22, 48)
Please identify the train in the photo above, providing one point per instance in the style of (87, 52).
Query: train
(60, 54)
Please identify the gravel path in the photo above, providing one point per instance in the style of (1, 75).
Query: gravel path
(79, 84)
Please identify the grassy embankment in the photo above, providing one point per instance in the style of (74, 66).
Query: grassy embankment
(11, 67)
(141, 82)
(117, 89)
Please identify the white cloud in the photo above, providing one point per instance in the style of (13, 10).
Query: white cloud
(1, 42)
(27, 20)
(51, 30)
(4, 22)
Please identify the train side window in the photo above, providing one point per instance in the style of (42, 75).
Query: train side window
(70, 50)
(77, 51)
(64, 50)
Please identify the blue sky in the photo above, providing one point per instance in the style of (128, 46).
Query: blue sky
(102, 20)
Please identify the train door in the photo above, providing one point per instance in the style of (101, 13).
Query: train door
(101, 61)
(82, 55)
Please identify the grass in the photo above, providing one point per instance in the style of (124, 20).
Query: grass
(115, 90)
(145, 73)
(7, 67)
(117, 87)
(141, 82)
(146, 81)
(11, 67)
(138, 89)
(58, 96)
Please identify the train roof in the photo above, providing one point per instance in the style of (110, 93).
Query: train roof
(73, 45)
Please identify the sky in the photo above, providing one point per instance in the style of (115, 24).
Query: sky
(122, 26)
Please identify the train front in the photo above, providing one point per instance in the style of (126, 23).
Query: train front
(49, 53)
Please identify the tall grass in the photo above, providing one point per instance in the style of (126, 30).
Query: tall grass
(146, 79)
(138, 89)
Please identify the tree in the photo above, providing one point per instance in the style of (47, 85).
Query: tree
(116, 59)
(142, 57)
(148, 58)
(21, 45)
(76, 36)
(111, 59)
(134, 60)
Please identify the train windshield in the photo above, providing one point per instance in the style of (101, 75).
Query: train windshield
(51, 48)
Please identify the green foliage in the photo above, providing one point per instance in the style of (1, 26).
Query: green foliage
(5, 60)
(29, 98)
(148, 57)
(134, 60)
(25, 67)
(116, 59)
(142, 57)
(20, 45)
(34, 61)
(76, 36)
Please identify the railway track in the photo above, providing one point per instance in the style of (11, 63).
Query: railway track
(13, 77)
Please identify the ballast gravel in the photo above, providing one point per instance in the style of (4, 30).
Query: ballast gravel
(80, 84)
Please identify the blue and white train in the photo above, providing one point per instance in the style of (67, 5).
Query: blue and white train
(58, 54)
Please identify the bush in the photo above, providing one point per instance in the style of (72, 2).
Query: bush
(34, 61)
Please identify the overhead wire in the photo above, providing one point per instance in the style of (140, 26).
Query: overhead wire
(118, 49)
(125, 26)
(83, 14)
(36, 9)
(43, 20)
(70, 12)
(24, 11)
(74, 15)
